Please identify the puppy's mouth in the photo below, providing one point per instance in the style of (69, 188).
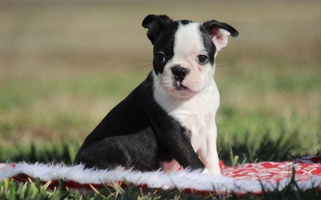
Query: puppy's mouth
(179, 86)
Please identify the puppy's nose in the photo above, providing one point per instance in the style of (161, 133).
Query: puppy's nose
(179, 73)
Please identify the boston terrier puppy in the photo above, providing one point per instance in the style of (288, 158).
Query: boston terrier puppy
(168, 121)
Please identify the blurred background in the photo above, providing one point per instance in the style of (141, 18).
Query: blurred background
(65, 64)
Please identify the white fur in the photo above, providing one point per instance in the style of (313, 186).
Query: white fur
(196, 107)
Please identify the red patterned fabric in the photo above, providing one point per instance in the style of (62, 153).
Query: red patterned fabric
(273, 171)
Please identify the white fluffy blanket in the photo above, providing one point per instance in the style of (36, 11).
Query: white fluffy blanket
(253, 177)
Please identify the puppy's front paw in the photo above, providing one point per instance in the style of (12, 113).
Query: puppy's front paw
(171, 166)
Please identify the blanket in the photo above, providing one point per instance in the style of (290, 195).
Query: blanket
(247, 178)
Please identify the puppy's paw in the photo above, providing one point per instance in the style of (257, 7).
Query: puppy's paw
(171, 166)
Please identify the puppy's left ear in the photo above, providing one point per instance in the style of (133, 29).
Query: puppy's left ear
(219, 32)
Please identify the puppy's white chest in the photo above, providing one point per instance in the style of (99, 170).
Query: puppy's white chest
(197, 114)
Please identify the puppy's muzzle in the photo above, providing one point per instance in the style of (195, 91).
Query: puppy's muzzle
(179, 73)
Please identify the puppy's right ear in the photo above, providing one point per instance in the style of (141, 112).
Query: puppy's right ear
(155, 25)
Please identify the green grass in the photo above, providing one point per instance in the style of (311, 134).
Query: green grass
(63, 66)
(35, 190)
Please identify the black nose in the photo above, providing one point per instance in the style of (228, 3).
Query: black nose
(179, 73)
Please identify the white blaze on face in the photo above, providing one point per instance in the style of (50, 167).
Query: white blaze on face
(188, 40)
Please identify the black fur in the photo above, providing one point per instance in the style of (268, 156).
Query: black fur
(138, 133)
(161, 32)
(155, 24)
(208, 44)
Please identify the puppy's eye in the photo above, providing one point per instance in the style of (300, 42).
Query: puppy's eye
(160, 57)
(202, 59)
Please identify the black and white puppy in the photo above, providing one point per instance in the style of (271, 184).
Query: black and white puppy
(168, 121)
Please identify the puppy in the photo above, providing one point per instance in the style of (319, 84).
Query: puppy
(168, 121)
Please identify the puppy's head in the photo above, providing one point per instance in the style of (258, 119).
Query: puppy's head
(184, 52)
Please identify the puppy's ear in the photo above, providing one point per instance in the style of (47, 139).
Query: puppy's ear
(219, 32)
(155, 25)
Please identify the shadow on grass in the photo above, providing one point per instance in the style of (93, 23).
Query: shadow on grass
(277, 150)
(64, 153)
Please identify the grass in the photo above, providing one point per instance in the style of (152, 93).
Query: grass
(64, 65)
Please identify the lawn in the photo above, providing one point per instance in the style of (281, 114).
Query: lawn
(64, 65)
